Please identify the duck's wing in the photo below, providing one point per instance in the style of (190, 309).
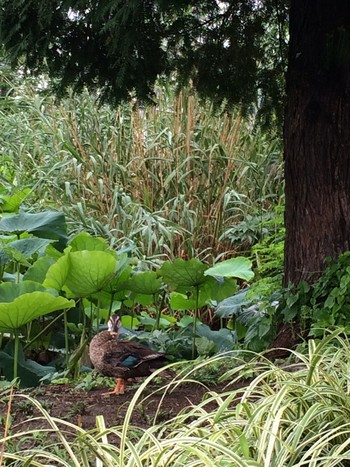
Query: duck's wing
(129, 354)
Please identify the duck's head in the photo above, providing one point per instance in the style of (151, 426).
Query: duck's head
(114, 324)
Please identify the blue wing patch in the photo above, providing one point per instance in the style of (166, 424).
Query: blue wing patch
(130, 361)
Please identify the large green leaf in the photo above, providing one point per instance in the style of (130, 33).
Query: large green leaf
(57, 274)
(86, 272)
(37, 272)
(182, 275)
(10, 290)
(239, 267)
(211, 290)
(146, 283)
(182, 302)
(218, 290)
(12, 202)
(46, 224)
(139, 299)
(28, 371)
(90, 271)
(232, 306)
(29, 246)
(85, 241)
(119, 282)
(223, 338)
(26, 301)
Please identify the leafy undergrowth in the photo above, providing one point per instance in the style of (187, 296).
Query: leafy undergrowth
(291, 414)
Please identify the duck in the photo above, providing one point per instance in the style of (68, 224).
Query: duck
(122, 359)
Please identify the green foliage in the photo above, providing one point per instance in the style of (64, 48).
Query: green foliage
(99, 281)
(252, 311)
(22, 303)
(290, 415)
(183, 275)
(231, 52)
(82, 272)
(323, 305)
(253, 319)
(45, 224)
(143, 180)
(236, 267)
(269, 252)
(164, 202)
(30, 372)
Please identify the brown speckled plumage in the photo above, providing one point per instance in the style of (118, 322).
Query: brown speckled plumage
(120, 358)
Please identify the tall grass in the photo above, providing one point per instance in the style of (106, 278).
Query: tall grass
(171, 178)
(297, 415)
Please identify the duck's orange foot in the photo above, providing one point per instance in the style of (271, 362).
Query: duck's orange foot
(119, 388)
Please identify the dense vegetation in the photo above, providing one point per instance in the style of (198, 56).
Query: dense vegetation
(144, 181)
(121, 210)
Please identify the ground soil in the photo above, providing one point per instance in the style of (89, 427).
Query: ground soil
(81, 407)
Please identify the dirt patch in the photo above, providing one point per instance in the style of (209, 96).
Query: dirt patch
(82, 407)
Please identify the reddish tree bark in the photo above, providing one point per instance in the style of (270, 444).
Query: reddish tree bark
(317, 137)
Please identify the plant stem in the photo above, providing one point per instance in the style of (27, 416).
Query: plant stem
(194, 328)
(98, 311)
(66, 342)
(15, 356)
(159, 311)
(42, 331)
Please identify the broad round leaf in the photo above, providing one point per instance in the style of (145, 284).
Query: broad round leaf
(232, 306)
(182, 275)
(89, 271)
(145, 283)
(46, 224)
(182, 302)
(37, 272)
(239, 267)
(57, 274)
(85, 241)
(29, 246)
(26, 307)
(9, 291)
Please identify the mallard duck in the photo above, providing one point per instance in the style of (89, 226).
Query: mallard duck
(120, 358)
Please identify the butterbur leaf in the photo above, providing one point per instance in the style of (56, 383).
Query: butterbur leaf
(118, 283)
(185, 321)
(57, 274)
(26, 301)
(9, 291)
(223, 338)
(182, 275)
(83, 272)
(182, 302)
(29, 371)
(89, 271)
(131, 322)
(29, 246)
(37, 272)
(232, 306)
(145, 283)
(205, 346)
(239, 267)
(46, 224)
(219, 290)
(12, 203)
(84, 241)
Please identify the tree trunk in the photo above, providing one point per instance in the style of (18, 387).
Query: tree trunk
(317, 137)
